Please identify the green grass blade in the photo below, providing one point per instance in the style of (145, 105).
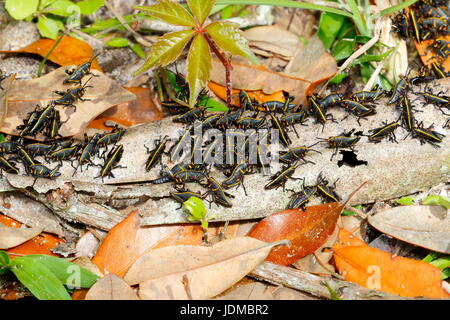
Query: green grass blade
(358, 18)
(286, 3)
(395, 8)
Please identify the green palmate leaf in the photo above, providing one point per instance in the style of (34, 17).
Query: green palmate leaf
(167, 49)
(68, 273)
(61, 8)
(49, 27)
(198, 67)
(286, 3)
(229, 38)
(170, 12)
(90, 6)
(437, 200)
(201, 9)
(20, 9)
(329, 26)
(42, 283)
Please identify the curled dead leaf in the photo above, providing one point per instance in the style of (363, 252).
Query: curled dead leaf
(424, 226)
(104, 94)
(11, 237)
(111, 287)
(69, 51)
(196, 272)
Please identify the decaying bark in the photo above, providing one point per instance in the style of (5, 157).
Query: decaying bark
(392, 170)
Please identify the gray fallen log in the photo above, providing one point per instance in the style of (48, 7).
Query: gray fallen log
(316, 285)
(393, 170)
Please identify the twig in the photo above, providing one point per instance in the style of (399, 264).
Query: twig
(350, 59)
(136, 35)
(41, 65)
(316, 285)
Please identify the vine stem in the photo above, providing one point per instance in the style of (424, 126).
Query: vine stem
(41, 65)
(226, 63)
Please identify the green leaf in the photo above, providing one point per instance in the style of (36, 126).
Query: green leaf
(201, 9)
(198, 67)
(118, 42)
(49, 27)
(437, 201)
(441, 263)
(329, 26)
(42, 283)
(372, 57)
(4, 259)
(90, 6)
(196, 211)
(137, 49)
(166, 49)
(2, 137)
(170, 12)
(20, 9)
(395, 8)
(4, 262)
(63, 8)
(231, 11)
(172, 77)
(351, 213)
(406, 201)
(68, 273)
(212, 105)
(431, 256)
(229, 38)
(108, 24)
(338, 78)
(343, 49)
(445, 273)
(287, 4)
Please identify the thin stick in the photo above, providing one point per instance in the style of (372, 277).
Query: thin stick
(136, 35)
(41, 65)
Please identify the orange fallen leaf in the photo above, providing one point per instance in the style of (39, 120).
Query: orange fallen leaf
(307, 230)
(40, 244)
(221, 91)
(380, 270)
(141, 110)
(346, 238)
(428, 56)
(128, 241)
(69, 51)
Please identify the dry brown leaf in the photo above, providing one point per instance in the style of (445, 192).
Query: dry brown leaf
(251, 291)
(87, 245)
(312, 62)
(4, 92)
(273, 39)
(311, 264)
(424, 226)
(111, 287)
(11, 237)
(196, 272)
(128, 241)
(105, 94)
(86, 263)
(249, 77)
